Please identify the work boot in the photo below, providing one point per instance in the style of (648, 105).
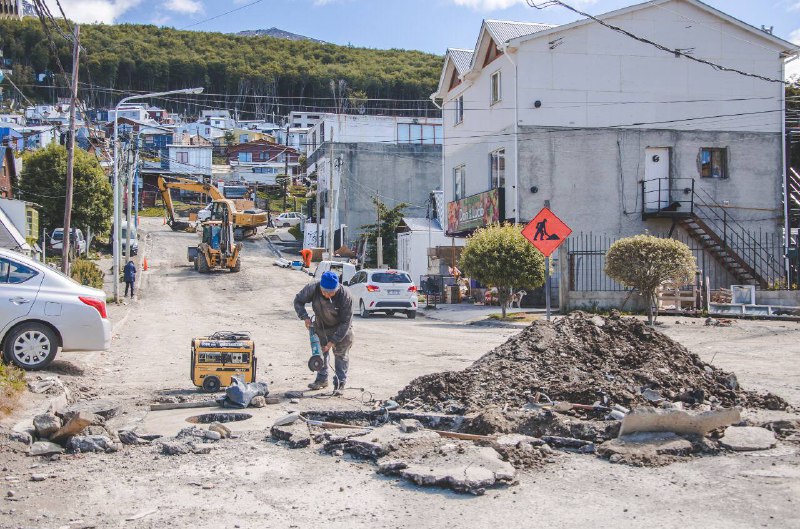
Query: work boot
(318, 384)
(338, 387)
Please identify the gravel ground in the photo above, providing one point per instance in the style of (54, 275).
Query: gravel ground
(252, 482)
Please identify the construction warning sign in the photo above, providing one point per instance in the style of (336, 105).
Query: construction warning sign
(546, 232)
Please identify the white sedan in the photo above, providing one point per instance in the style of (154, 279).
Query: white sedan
(386, 291)
(42, 310)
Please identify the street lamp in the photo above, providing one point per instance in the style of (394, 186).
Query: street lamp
(117, 220)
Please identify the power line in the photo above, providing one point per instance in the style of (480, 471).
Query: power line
(678, 52)
(221, 14)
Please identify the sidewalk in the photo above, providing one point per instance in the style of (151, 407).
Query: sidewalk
(469, 314)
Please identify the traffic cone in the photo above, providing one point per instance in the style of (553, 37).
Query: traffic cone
(165, 221)
(145, 264)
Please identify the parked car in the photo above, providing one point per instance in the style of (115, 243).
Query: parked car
(205, 213)
(387, 291)
(346, 271)
(288, 218)
(43, 310)
(128, 236)
(77, 240)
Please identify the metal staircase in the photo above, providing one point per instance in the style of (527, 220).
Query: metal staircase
(744, 255)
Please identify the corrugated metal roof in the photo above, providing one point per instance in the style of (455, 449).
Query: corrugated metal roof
(505, 30)
(421, 223)
(461, 59)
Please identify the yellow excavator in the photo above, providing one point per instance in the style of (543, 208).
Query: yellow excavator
(216, 249)
(245, 223)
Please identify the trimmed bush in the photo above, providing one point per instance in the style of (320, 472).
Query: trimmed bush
(87, 273)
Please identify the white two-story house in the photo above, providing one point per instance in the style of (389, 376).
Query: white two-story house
(614, 134)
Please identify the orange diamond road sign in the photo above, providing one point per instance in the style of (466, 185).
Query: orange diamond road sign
(546, 232)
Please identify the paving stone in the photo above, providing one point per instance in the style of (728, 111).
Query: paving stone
(130, 438)
(296, 435)
(410, 425)
(646, 445)
(75, 424)
(677, 421)
(747, 438)
(383, 440)
(106, 408)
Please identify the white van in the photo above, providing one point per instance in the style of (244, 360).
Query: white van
(76, 240)
(346, 271)
(128, 236)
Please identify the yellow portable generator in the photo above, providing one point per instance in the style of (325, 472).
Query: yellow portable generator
(219, 357)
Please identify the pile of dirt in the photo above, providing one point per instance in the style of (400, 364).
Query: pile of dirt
(583, 359)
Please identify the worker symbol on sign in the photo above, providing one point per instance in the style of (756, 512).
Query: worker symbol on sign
(541, 232)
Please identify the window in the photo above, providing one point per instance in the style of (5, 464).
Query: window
(244, 138)
(182, 157)
(245, 156)
(497, 87)
(14, 273)
(497, 169)
(459, 110)
(414, 133)
(713, 163)
(459, 182)
(208, 131)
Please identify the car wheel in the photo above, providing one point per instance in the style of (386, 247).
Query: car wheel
(211, 384)
(31, 346)
(287, 225)
(362, 310)
(411, 314)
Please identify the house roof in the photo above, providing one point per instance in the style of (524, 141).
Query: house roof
(503, 31)
(461, 59)
(10, 237)
(418, 224)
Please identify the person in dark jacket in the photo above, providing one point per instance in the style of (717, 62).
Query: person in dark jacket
(333, 311)
(130, 276)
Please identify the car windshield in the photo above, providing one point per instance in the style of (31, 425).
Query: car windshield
(58, 235)
(391, 277)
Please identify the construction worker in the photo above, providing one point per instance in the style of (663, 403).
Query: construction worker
(306, 254)
(129, 276)
(333, 311)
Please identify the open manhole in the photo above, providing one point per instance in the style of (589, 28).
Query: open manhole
(208, 418)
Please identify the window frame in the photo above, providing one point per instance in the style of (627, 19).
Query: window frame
(459, 182)
(182, 157)
(500, 176)
(723, 161)
(497, 97)
(459, 110)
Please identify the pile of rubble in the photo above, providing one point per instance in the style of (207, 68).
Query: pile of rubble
(586, 359)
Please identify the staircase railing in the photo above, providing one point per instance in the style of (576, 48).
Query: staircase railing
(752, 249)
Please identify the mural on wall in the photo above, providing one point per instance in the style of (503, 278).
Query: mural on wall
(475, 211)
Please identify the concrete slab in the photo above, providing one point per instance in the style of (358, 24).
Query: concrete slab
(677, 421)
(646, 444)
(748, 438)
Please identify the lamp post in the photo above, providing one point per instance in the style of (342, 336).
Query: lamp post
(117, 219)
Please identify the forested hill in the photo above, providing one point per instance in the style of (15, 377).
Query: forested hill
(258, 75)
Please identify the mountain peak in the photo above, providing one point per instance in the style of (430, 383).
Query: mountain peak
(276, 33)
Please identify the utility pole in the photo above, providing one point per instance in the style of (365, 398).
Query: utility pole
(131, 173)
(330, 202)
(379, 239)
(76, 49)
(286, 167)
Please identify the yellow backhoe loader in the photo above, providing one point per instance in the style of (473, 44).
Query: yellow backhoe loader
(245, 224)
(216, 249)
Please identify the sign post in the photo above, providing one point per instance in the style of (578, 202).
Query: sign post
(546, 232)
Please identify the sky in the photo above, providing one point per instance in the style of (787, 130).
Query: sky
(427, 25)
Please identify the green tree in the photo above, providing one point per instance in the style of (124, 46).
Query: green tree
(645, 262)
(499, 256)
(388, 220)
(43, 181)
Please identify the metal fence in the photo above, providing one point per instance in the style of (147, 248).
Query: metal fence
(586, 262)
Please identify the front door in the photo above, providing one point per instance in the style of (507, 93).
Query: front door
(656, 176)
(19, 286)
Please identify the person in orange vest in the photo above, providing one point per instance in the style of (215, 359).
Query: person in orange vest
(306, 254)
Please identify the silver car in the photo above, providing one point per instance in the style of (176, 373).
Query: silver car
(42, 310)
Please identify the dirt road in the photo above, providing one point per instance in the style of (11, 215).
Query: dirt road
(252, 482)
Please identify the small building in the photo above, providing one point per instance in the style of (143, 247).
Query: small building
(190, 155)
(417, 241)
(9, 169)
(262, 161)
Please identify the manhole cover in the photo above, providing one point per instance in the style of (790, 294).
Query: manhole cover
(208, 418)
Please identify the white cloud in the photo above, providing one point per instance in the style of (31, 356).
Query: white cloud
(493, 5)
(88, 11)
(187, 7)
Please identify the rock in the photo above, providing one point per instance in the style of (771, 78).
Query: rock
(384, 440)
(74, 425)
(461, 466)
(221, 429)
(515, 439)
(106, 408)
(44, 448)
(96, 430)
(287, 419)
(296, 435)
(258, 402)
(747, 438)
(212, 435)
(677, 421)
(46, 425)
(130, 438)
(652, 395)
(17, 437)
(294, 401)
(615, 415)
(38, 477)
(173, 448)
(272, 400)
(90, 443)
(646, 445)
(410, 425)
(199, 449)
(46, 385)
(565, 442)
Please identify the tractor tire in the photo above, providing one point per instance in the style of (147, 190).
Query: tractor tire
(202, 264)
(211, 384)
(196, 268)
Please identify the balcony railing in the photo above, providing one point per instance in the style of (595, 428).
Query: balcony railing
(667, 197)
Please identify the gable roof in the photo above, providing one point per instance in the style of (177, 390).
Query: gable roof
(503, 31)
(777, 41)
(461, 59)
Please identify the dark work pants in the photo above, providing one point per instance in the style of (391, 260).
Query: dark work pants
(341, 357)
(128, 284)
